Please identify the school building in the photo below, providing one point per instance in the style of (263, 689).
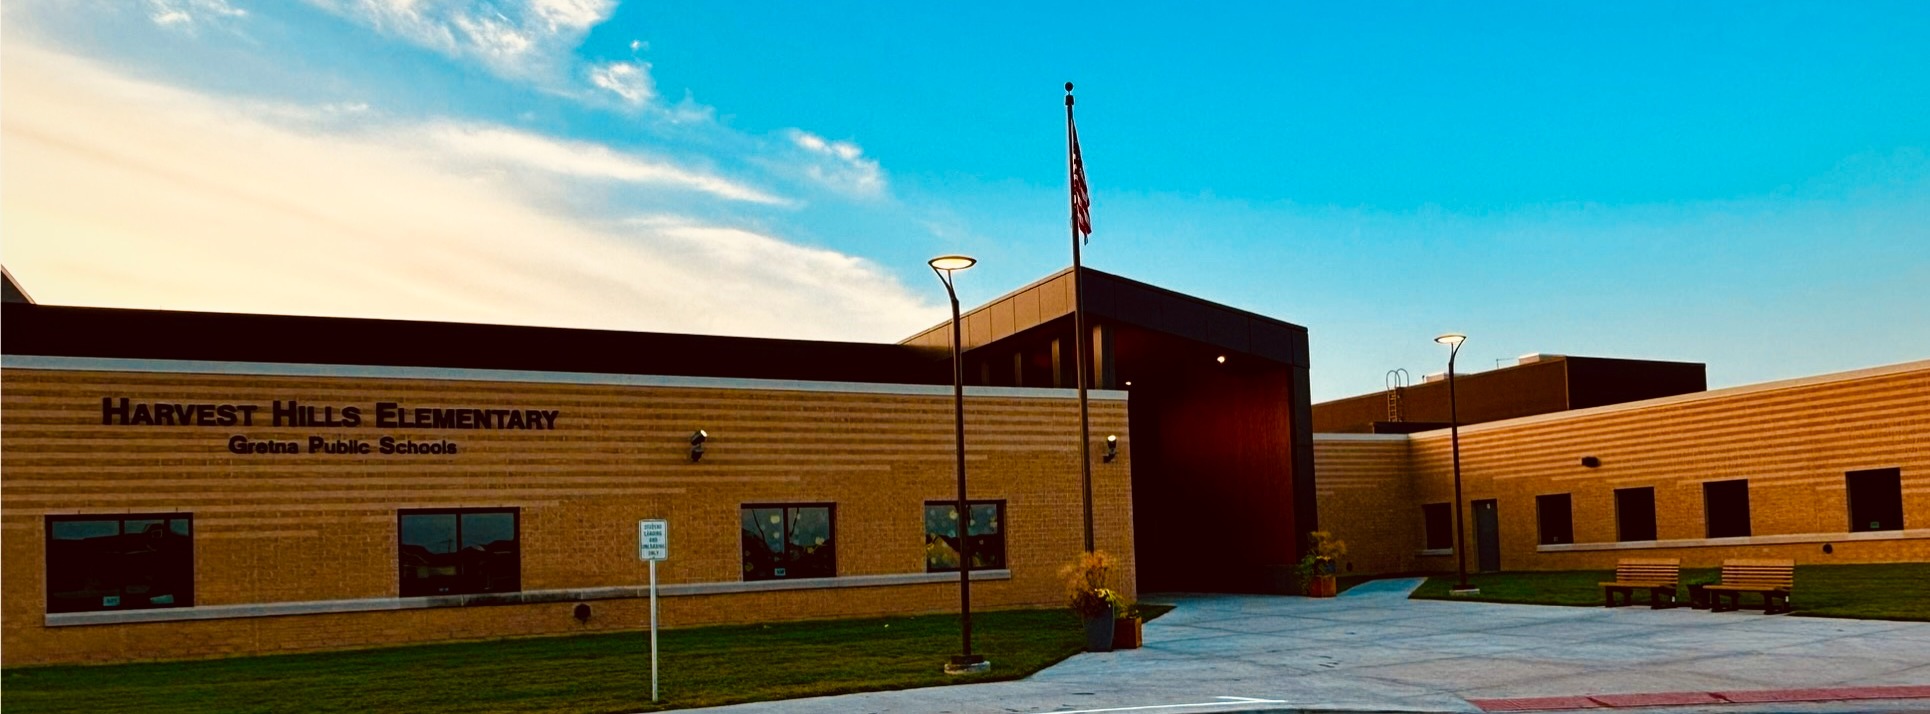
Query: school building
(180, 485)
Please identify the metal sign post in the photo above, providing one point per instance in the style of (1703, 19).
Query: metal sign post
(653, 544)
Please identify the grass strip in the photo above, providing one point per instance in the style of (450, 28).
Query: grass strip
(583, 673)
(1886, 591)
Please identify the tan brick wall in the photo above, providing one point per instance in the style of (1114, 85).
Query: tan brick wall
(287, 528)
(1364, 493)
(1793, 441)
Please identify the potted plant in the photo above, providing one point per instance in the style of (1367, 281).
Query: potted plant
(1127, 628)
(1090, 599)
(1316, 569)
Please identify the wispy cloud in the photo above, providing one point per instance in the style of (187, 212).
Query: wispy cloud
(149, 196)
(838, 165)
(581, 159)
(186, 15)
(628, 80)
(522, 39)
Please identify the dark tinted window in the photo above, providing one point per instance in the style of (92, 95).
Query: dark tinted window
(987, 531)
(1557, 519)
(1635, 513)
(786, 541)
(1438, 522)
(459, 552)
(1725, 508)
(1876, 499)
(119, 562)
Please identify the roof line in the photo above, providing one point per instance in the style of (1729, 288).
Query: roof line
(1778, 385)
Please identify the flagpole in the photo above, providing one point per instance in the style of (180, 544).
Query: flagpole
(1079, 336)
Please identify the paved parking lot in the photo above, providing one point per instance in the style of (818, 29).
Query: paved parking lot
(1374, 650)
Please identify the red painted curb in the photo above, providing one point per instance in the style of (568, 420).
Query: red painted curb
(1534, 704)
(1655, 699)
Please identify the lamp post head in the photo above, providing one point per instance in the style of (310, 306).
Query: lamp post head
(949, 263)
(1452, 339)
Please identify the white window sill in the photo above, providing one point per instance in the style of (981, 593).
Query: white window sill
(1435, 551)
(1783, 539)
(526, 597)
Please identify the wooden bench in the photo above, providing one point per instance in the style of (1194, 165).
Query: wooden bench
(1656, 575)
(1773, 578)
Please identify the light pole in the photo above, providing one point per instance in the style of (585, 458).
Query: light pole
(966, 662)
(1453, 340)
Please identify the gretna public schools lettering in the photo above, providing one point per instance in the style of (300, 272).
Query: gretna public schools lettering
(293, 414)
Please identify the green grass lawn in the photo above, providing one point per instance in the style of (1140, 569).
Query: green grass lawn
(1890, 591)
(585, 673)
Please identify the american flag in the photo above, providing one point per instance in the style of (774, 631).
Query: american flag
(1081, 197)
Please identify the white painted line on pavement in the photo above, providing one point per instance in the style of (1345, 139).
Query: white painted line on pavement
(1231, 701)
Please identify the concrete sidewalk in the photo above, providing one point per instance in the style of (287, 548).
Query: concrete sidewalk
(1374, 650)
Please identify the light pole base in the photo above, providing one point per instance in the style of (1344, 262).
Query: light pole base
(1464, 591)
(974, 664)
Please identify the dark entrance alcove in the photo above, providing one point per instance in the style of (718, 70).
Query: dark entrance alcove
(1221, 437)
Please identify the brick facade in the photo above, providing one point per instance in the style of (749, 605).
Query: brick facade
(312, 528)
(1793, 441)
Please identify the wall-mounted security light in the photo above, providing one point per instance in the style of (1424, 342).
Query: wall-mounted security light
(697, 445)
(1591, 462)
(1112, 447)
(1220, 359)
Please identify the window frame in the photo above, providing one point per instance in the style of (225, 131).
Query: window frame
(1427, 542)
(831, 521)
(121, 519)
(1005, 553)
(1567, 524)
(516, 533)
(1708, 510)
(1621, 529)
(1849, 499)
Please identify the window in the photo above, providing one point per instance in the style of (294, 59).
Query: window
(1876, 499)
(789, 541)
(1557, 519)
(1439, 520)
(460, 551)
(1725, 508)
(987, 531)
(118, 562)
(1635, 513)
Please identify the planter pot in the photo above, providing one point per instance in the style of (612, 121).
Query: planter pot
(1126, 633)
(1099, 632)
(1321, 586)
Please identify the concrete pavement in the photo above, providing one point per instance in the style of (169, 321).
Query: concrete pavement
(1372, 649)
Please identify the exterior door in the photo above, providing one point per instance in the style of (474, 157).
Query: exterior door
(1487, 536)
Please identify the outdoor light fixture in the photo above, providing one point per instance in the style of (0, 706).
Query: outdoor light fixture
(949, 263)
(1221, 359)
(1112, 447)
(964, 662)
(697, 445)
(1453, 340)
(1591, 462)
(581, 612)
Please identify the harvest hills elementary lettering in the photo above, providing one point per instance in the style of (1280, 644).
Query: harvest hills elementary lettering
(173, 491)
(292, 413)
(388, 415)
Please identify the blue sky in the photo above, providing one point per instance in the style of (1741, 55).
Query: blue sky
(1746, 185)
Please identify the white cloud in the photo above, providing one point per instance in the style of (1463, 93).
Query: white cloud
(629, 80)
(524, 39)
(579, 159)
(839, 165)
(186, 14)
(125, 193)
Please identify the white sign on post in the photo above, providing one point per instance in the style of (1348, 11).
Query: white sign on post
(653, 540)
(653, 544)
